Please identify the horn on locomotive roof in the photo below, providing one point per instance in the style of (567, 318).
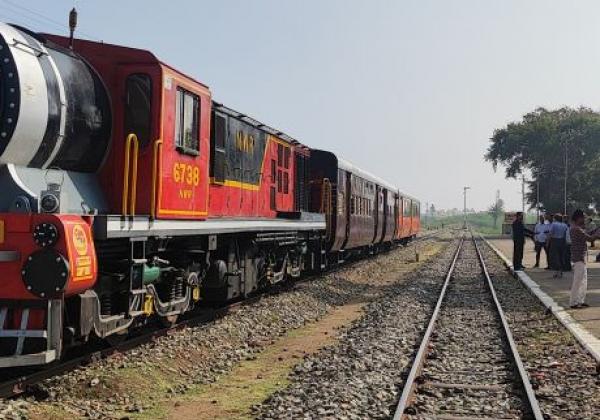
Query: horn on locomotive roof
(72, 25)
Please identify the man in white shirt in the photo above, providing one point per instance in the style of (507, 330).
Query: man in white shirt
(541, 230)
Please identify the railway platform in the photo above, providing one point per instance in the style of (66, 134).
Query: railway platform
(558, 289)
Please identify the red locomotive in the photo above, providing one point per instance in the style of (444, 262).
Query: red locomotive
(127, 193)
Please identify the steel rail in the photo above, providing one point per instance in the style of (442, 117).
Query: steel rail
(419, 360)
(20, 384)
(531, 398)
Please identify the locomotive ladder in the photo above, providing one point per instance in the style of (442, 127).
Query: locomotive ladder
(326, 204)
(131, 159)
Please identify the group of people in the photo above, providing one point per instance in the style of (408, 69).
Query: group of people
(552, 234)
(564, 244)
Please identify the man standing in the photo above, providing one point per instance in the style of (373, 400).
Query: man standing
(540, 233)
(557, 244)
(579, 239)
(519, 231)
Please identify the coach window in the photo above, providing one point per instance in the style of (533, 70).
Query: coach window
(187, 112)
(273, 171)
(279, 181)
(138, 107)
(286, 158)
(340, 204)
(279, 155)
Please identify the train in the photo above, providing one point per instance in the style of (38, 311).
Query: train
(130, 196)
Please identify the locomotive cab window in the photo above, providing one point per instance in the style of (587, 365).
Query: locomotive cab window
(187, 115)
(218, 135)
(138, 107)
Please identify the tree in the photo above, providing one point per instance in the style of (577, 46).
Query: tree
(544, 143)
(496, 210)
(432, 210)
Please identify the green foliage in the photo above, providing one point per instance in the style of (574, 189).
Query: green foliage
(496, 210)
(538, 143)
(482, 222)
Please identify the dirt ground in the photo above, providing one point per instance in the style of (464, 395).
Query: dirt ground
(254, 380)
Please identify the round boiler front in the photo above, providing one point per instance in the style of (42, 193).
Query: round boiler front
(54, 109)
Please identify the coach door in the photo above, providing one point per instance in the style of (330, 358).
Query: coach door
(396, 215)
(281, 191)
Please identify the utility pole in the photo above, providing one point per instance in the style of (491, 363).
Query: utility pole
(537, 199)
(566, 174)
(523, 194)
(465, 205)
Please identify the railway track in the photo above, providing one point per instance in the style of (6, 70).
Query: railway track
(23, 381)
(467, 366)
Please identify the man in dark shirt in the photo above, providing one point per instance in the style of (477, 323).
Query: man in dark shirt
(519, 232)
(579, 240)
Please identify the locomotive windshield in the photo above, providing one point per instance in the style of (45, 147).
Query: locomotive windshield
(138, 109)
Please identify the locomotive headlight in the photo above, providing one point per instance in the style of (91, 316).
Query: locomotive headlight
(49, 203)
(45, 235)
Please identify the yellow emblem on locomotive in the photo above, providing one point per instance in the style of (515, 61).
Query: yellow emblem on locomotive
(80, 242)
(244, 142)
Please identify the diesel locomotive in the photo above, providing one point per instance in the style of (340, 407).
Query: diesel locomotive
(128, 194)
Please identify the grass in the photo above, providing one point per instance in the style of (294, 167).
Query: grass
(482, 222)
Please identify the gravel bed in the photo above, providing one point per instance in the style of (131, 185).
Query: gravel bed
(563, 374)
(469, 371)
(199, 355)
(357, 378)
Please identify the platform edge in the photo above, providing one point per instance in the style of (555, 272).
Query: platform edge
(586, 339)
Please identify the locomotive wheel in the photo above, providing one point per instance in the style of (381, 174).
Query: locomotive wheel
(214, 295)
(169, 321)
(117, 339)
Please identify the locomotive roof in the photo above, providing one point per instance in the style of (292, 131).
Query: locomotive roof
(133, 53)
(255, 123)
(350, 167)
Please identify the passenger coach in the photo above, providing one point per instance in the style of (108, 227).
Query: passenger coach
(363, 212)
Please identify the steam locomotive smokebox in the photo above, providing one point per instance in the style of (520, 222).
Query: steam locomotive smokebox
(54, 109)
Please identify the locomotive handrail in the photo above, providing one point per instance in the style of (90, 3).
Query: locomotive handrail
(21, 45)
(156, 167)
(326, 204)
(133, 161)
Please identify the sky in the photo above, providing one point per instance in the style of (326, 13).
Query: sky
(411, 91)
